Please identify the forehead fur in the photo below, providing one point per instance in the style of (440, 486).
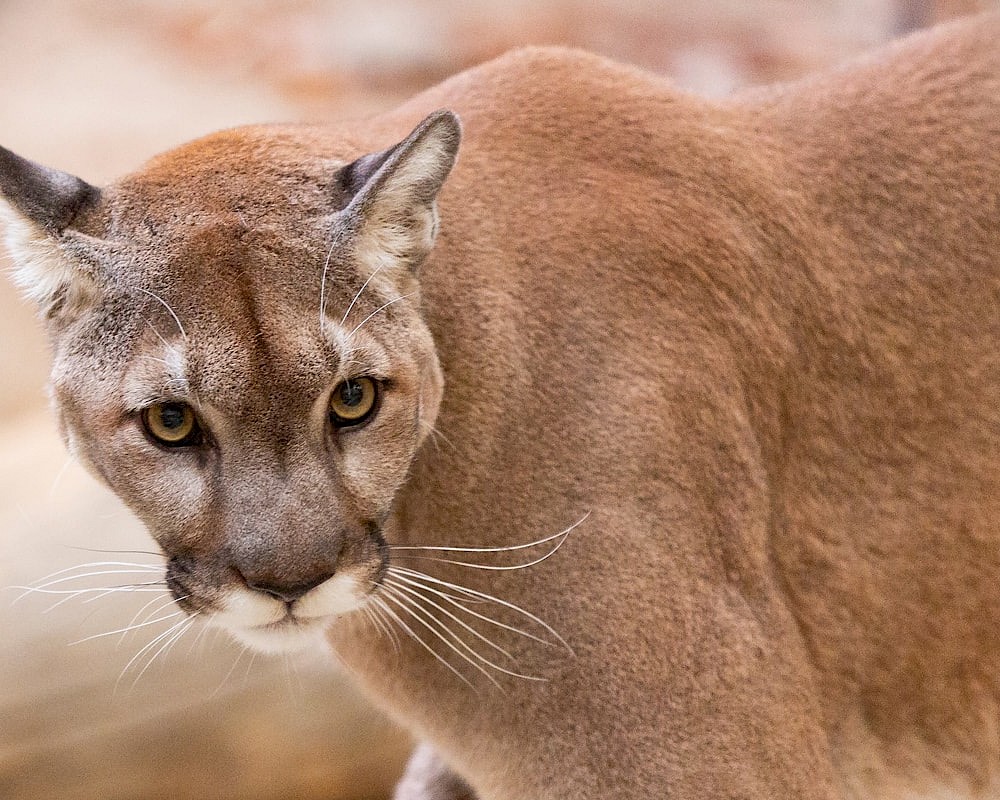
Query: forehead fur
(236, 259)
(258, 172)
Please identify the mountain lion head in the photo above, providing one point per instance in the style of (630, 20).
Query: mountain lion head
(239, 353)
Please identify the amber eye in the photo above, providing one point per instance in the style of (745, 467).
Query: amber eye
(353, 401)
(172, 424)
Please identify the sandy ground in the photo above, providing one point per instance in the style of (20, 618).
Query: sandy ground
(96, 87)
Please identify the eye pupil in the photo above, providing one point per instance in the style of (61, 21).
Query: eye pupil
(351, 393)
(172, 416)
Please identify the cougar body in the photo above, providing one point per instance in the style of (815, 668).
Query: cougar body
(743, 353)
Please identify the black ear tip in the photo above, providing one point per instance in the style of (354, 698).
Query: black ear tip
(47, 197)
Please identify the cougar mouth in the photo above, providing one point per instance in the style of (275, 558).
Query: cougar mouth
(289, 634)
(264, 617)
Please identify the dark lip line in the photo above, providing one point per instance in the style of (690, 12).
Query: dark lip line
(292, 620)
(289, 620)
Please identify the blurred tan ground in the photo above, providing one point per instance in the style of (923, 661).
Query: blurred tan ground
(96, 87)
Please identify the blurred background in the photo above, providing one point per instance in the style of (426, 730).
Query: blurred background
(94, 88)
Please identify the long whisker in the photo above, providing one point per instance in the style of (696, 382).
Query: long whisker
(66, 578)
(165, 647)
(379, 612)
(144, 586)
(147, 647)
(461, 606)
(378, 623)
(44, 587)
(201, 638)
(438, 629)
(166, 305)
(98, 594)
(385, 607)
(232, 669)
(149, 567)
(130, 552)
(130, 587)
(483, 595)
(473, 631)
(127, 628)
(410, 590)
(347, 313)
(322, 288)
(378, 310)
(164, 602)
(565, 532)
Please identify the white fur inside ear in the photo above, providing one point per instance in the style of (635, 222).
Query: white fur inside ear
(392, 237)
(400, 219)
(40, 268)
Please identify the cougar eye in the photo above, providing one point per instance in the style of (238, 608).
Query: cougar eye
(353, 401)
(172, 424)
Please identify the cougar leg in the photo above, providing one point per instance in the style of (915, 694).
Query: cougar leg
(427, 777)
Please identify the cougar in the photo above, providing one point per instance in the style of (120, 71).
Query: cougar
(640, 446)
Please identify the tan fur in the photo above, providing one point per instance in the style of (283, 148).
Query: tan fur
(757, 341)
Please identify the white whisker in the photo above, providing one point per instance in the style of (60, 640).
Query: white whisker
(423, 644)
(322, 288)
(379, 612)
(105, 589)
(461, 605)
(374, 620)
(98, 593)
(421, 576)
(413, 592)
(166, 305)
(364, 285)
(232, 669)
(165, 647)
(149, 567)
(134, 587)
(563, 533)
(117, 552)
(65, 579)
(148, 646)
(378, 310)
(126, 629)
(58, 478)
(45, 588)
(163, 603)
(478, 635)
(429, 621)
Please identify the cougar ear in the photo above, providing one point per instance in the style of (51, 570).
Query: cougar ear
(40, 205)
(393, 207)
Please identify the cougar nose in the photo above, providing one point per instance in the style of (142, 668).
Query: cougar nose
(286, 592)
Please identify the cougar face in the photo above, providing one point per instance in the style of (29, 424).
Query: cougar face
(255, 397)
